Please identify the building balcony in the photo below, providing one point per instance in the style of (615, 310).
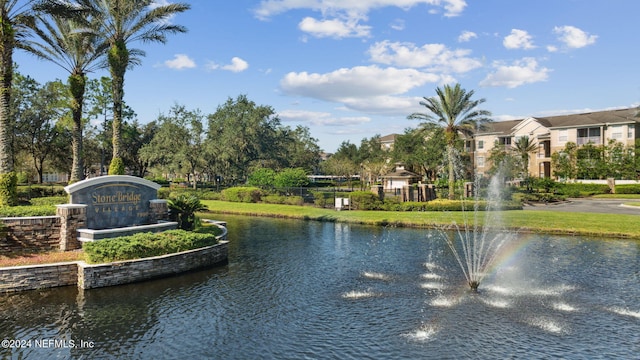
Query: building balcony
(596, 140)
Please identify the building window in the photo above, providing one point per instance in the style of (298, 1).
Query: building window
(506, 141)
(480, 144)
(630, 132)
(563, 136)
(480, 161)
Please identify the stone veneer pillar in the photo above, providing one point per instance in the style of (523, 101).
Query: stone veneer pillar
(72, 218)
(158, 210)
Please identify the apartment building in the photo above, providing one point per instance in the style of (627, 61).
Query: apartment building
(551, 134)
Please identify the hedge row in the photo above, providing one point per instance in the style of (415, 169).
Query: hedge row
(23, 211)
(169, 193)
(282, 199)
(247, 194)
(143, 245)
(627, 189)
(363, 200)
(581, 190)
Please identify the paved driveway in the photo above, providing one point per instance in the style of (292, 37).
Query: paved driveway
(606, 206)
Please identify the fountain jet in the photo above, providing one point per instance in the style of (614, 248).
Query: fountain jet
(476, 244)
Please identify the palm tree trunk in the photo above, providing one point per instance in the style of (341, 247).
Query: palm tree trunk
(8, 178)
(6, 74)
(118, 59)
(77, 84)
(452, 172)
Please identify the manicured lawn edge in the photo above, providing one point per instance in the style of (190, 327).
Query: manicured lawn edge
(530, 221)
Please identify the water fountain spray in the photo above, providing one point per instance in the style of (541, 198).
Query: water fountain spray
(476, 245)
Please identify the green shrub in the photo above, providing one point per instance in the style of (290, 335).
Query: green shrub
(164, 193)
(242, 194)
(628, 189)
(51, 200)
(159, 180)
(546, 185)
(392, 204)
(273, 199)
(364, 200)
(323, 198)
(579, 189)
(116, 167)
(283, 199)
(22, 211)
(26, 192)
(454, 205)
(143, 245)
(183, 209)
(22, 177)
(543, 197)
(8, 189)
(263, 177)
(291, 178)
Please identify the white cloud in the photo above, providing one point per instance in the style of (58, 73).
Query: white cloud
(452, 7)
(269, 8)
(467, 36)
(524, 71)
(367, 88)
(573, 37)
(398, 25)
(518, 39)
(552, 48)
(344, 18)
(237, 65)
(179, 62)
(435, 57)
(321, 118)
(388, 105)
(357, 82)
(334, 28)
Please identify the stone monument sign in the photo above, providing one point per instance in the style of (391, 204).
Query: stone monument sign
(115, 201)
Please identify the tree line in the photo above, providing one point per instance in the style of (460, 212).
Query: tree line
(225, 146)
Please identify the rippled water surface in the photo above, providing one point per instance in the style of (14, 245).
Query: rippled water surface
(309, 290)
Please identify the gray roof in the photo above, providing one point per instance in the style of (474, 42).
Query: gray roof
(388, 138)
(598, 118)
(620, 116)
(500, 127)
(401, 173)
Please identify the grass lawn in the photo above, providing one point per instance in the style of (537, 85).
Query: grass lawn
(616, 196)
(587, 224)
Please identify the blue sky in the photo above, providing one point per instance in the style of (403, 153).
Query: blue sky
(350, 69)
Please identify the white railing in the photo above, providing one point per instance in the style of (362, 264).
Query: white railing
(591, 139)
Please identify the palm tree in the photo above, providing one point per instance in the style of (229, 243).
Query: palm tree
(64, 43)
(454, 110)
(523, 147)
(122, 22)
(15, 19)
(183, 209)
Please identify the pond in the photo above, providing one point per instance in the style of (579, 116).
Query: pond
(312, 290)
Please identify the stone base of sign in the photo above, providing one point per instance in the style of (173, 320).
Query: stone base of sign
(88, 276)
(86, 235)
(22, 278)
(126, 272)
(29, 234)
(72, 217)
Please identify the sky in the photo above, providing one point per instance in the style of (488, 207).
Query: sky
(353, 69)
